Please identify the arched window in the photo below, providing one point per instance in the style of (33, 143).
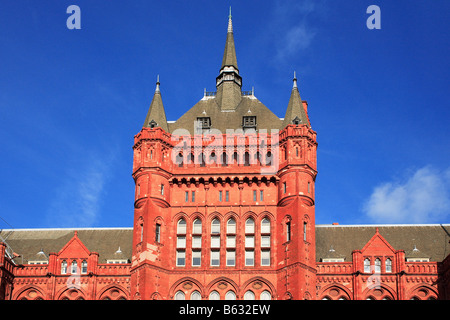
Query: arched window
(215, 226)
(196, 295)
(84, 267)
(265, 225)
(231, 226)
(214, 295)
(388, 265)
(377, 265)
(181, 226)
(367, 265)
(224, 159)
(197, 229)
(64, 267)
(265, 295)
(250, 226)
(180, 296)
(249, 295)
(74, 267)
(246, 159)
(230, 295)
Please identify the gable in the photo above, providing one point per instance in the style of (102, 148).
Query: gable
(74, 248)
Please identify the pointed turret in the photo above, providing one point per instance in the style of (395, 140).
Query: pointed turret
(229, 82)
(295, 112)
(156, 116)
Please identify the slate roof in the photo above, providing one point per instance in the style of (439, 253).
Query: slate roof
(222, 121)
(431, 241)
(28, 242)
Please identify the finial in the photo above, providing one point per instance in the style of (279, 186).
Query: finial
(157, 84)
(230, 24)
(295, 81)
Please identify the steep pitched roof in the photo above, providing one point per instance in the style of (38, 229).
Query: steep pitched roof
(222, 121)
(156, 115)
(295, 112)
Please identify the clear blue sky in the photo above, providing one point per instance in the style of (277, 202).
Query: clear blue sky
(72, 100)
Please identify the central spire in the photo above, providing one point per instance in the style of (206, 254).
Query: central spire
(229, 82)
(229, 55)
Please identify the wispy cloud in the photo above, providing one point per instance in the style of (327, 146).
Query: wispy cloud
(424, 197)
(291, 21)
(77, 201)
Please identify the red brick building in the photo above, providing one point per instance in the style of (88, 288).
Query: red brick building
(224, 209)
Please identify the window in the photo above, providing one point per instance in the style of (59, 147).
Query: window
(388, 265)
(265, 295)
(265, 257)
(197, 229)
(158, 233)
(265, 241)
(309, 187)
(224, 159)
(231, 241)
(215, 258)
(254, 196)
(288, 231)
(186, 196)
(265, 225)
(249, 122)
(284, 187)
(249, 226)
(367, 265)
(193, 196)
(377, 265)
(64, 267)
(304, 231)
(162, 189)
(196, 242)
(204, 122)
(249, 295)
(231, 258)
(249, 241)
(220, 196)
(215, 241)
(215, 226)
(261, 195)
(230, 295)
(181, 227)
(74, 267)
(227, 196)
(142, 231)
(181, 242)
(180, 296)
(214, 295)
(231, 226)
(84, 267)
(249, 257)
(196, 258)
(196, 295)
(181, 258)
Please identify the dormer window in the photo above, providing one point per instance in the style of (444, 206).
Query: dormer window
(204, 122)
(152, 124)
(249, 122)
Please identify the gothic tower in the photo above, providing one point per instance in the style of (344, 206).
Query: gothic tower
(224, 201)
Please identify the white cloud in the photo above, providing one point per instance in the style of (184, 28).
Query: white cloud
(77, 200)
(424, 197)
(296, 39)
